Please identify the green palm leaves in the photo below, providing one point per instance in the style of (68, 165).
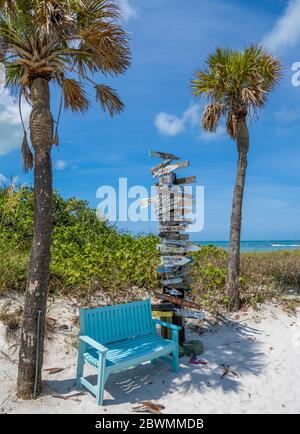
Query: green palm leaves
(60, 39)
(235, 83)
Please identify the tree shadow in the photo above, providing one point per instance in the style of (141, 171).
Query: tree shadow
(230, 343)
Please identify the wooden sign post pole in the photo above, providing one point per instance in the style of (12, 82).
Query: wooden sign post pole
(163, 182)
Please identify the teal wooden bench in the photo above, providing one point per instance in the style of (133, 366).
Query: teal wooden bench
(114, 338)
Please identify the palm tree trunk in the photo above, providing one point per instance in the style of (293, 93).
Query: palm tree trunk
(32, 334)
(233, 268)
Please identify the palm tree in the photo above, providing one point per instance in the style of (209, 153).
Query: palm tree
(65, 43)
(236, 84)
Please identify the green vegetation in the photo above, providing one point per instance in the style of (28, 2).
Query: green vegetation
(89, 256)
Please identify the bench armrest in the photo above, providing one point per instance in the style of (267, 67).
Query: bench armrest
(167, 324)
(93, 343)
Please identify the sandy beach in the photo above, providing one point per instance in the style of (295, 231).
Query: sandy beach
(261, 347)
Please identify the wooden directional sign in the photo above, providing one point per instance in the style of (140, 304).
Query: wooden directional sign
(162, 307)
(173, 292)
(189, 314)
(167, 213)
(176, 228)
(159, 166)
(189, 180)
(174, 281)
(163, 248)
(181, 195)
(178, 213)
(168, 169)
(174, 236)
(178, 301)
(168, 201)
(165, 269)
(175, 261)
(163, 155)
(171, 249)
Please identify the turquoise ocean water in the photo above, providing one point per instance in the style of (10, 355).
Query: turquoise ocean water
(259, 246)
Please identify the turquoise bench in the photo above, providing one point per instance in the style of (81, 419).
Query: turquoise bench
(115, 338)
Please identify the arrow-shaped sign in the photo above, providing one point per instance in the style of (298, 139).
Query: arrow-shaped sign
(178, 301)
(175, 261)
(168, 169)
(173, 292)
(165, 212)
(173, 236)
(161, 165)
(175, 281)
(163, 248)
(163, 155)
(189, 314)
(176, 228)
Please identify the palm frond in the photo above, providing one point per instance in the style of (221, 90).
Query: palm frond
(74, 95)
(109, 99)
(211, 117)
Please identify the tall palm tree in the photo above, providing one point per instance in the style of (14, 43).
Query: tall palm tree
(67, 43)
(236, 84)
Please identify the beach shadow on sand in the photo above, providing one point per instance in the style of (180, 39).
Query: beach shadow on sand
(230, 343)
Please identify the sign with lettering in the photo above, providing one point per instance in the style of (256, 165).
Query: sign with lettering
(189, 314)
(178, 301)
(168, 169)
(163, 155)
(171, 261)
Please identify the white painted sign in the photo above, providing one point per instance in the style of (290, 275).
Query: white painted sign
(175, 281)
(168, 169)
(189, 314)
(170, 261)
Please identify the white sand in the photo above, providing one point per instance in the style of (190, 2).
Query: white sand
(263, 348)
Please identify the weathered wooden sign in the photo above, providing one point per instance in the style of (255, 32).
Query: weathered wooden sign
(189, 180)
(173, 292)
(168, 169)
(171, 249)
(162, 306)
(160, 165)
(176, 228)
(171, 261)
(173, 213)
(163, 155)
(169, 282)
(174, 236)
(189, 314)
(178, 301)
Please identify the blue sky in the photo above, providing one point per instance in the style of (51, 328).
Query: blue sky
(169, 40)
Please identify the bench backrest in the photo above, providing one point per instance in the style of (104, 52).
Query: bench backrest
(118, 322)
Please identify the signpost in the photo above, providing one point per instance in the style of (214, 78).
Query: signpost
(171, 206)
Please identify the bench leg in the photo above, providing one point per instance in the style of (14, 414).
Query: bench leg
(101, 380)
(175, 353)
(80, 365)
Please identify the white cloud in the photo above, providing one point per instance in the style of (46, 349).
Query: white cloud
(171, 125)
(286, 32)
(127, 10)
(60, 165)
(10, 123)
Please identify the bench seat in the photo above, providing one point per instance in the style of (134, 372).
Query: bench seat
(131, 352)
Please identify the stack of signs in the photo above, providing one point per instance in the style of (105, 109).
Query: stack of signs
(172, 206)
